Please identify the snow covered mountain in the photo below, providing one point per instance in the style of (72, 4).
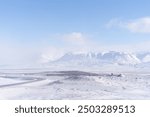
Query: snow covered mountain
(111, 57)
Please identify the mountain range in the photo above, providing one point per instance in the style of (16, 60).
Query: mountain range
(111, 57)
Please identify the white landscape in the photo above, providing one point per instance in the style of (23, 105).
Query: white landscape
(109, 75)
(74, 49)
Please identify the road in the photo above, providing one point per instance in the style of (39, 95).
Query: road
(21, 83)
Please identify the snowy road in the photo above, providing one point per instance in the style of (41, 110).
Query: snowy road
(22, 83)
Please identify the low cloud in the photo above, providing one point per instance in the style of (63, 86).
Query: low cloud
(13, 53)
(50, 54)
(75, 38)
(69, 42)
(42, 51)
(140, 25)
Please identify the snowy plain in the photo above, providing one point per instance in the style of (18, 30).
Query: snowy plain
(47, 84)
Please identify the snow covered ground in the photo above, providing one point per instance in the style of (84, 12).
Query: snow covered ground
(46, 84)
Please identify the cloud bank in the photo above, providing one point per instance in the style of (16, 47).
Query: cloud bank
(140, 25)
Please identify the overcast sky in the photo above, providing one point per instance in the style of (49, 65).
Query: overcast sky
(42, 30)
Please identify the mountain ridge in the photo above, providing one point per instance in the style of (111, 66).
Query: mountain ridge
(110, 57)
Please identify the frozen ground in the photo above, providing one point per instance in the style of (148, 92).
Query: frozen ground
(36, 84)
